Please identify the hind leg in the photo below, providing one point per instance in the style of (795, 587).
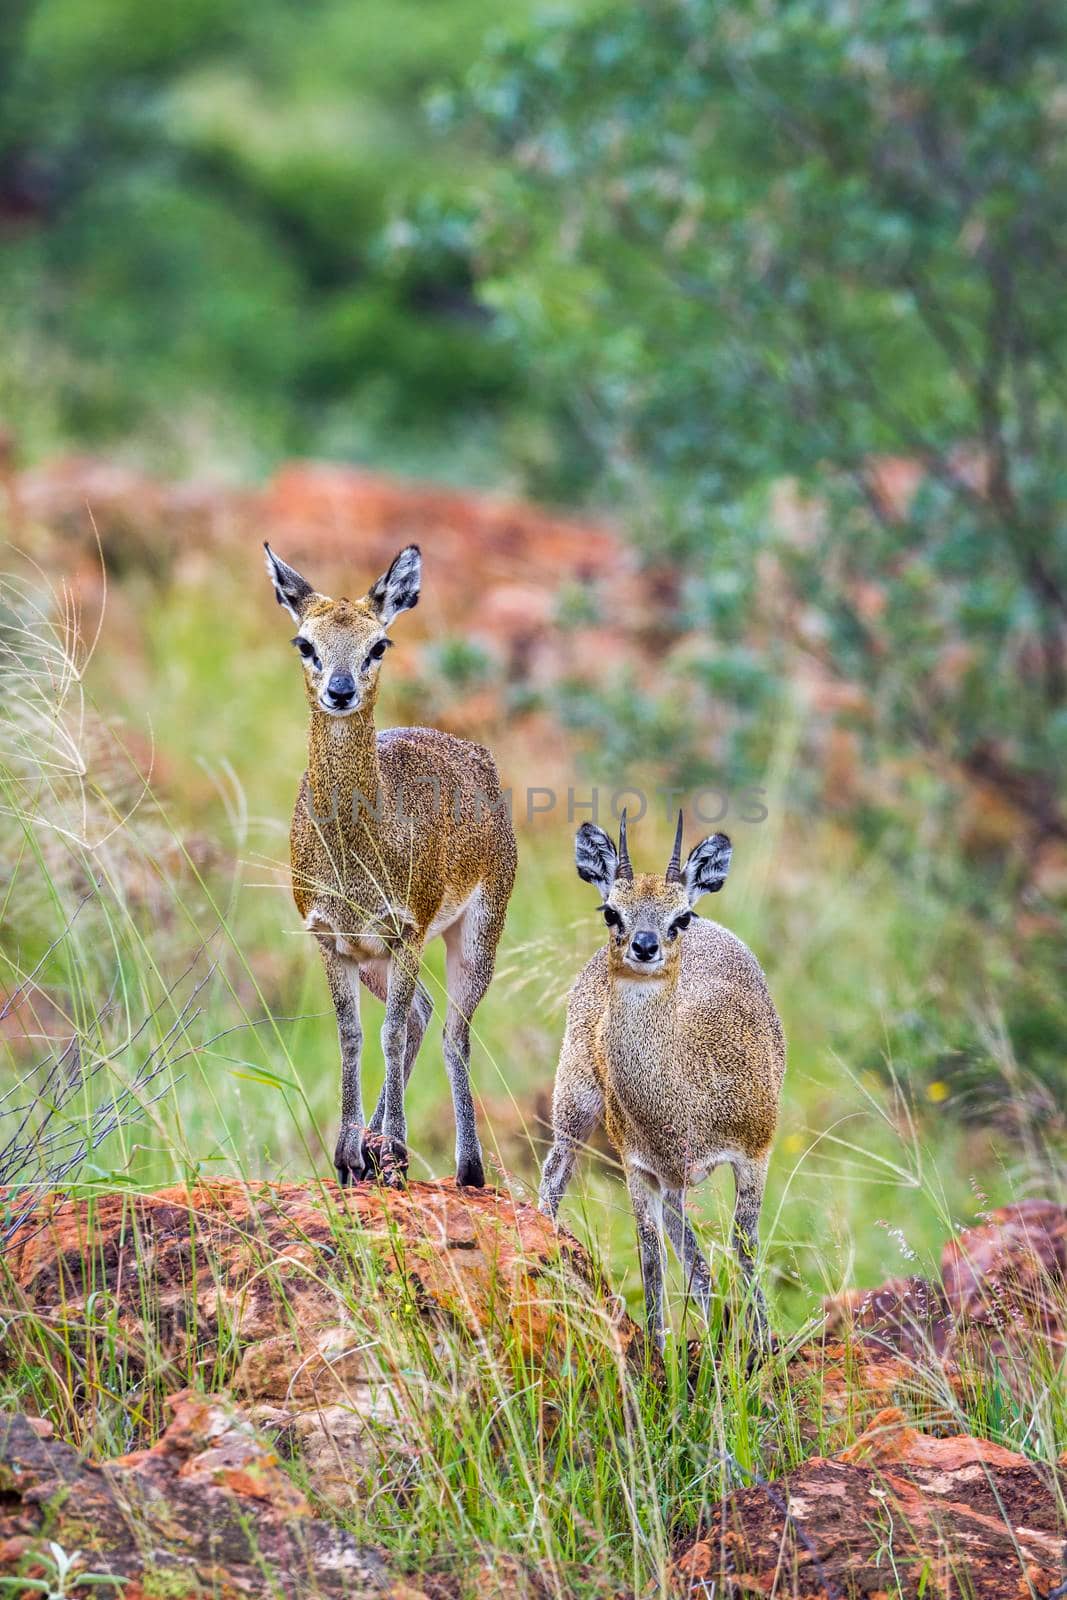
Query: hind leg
(577, 1107)
(374, 979)
(470, 944)
(687, 1249)
(648, 1214)
(750, 1175)
(344, 991)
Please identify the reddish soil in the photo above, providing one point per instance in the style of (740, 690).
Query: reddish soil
(898, 1514)
(206, 1511)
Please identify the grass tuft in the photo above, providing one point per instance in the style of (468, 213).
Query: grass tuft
(162, 1020)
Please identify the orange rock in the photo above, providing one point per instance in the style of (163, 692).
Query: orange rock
(327, 504)
(983, 1517)
(904, 1316)
(212, 1509)
(287, 1275)
(890, 1440)
(1012, 1267)
(1003, 1287)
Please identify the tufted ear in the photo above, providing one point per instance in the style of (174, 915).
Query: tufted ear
(290, 589)
(707, 866)
(398, 589)
(595, 857)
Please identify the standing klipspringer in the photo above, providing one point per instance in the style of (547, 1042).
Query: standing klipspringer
(397, 837)
(673, 1041)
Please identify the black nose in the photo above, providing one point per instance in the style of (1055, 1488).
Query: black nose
(645, 946)
(341, 687)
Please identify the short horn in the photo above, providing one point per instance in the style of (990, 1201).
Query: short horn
(624, 870)
(674, 865)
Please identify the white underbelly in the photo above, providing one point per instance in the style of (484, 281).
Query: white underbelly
(449, 914)
(697, 1167)
(369, 944)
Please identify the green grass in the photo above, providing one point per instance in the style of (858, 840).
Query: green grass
(119, 899)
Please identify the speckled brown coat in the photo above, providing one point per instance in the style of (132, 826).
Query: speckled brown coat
(397, 837)
(409, 878)
(673, 1042)
(690, 1066)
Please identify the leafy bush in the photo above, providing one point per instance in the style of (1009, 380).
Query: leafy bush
(822, 245)
(196, 216)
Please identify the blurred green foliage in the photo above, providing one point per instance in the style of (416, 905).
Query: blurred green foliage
(783, 285)
(825, 244)
(202, 238)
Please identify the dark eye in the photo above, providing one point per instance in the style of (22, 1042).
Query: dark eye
(680, 923)
(611, 917)
(307, 651)
(377, 651)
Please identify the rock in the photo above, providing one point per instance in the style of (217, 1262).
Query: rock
(904, 1316)
(206, 1511)
(1002, 1289)
(1011, 1270)
(834, 1387)
(1005, 1283)
(898, 1514)
(999, 1312)
(318, 508)
(300, 1297)
(141, 523)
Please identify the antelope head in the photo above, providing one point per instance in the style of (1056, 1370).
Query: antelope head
(647, 914)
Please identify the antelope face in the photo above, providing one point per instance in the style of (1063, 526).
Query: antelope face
(644, 918)
(342, 642)
(647, 915)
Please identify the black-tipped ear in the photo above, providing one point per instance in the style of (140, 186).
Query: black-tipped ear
(595, 857)
(290, 589)
(398, 589)
(708, 864)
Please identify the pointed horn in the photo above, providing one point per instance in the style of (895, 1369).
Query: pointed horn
(624, 870)
(674, 865)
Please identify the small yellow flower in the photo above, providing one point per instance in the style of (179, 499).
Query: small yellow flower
(793, 1143)
(937, 1091)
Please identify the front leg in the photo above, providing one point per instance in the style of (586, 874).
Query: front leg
(577, 1106)
(687, 1249)
(400, 992)
(343, 978)
(376, 979)
(750, 1176)
(648, 1210)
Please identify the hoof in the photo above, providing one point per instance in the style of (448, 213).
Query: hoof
(348, 1158)
(470, 1174)
(385, 1160)
(764, 1347)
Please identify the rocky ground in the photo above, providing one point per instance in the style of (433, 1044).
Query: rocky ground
(530, 564)
(266, 1287)
(206, 1510)
(898, 1513)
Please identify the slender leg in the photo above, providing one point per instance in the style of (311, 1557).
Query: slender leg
(375, 978)
(750, 1175)
(343, 978)
(400, 992)
(471, 950)
(577, 1106)
(470, 1172)
(687, 1249)
(648, 1211)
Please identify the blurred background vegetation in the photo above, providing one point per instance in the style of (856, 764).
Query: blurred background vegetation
(778, 292)
(205, 217)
